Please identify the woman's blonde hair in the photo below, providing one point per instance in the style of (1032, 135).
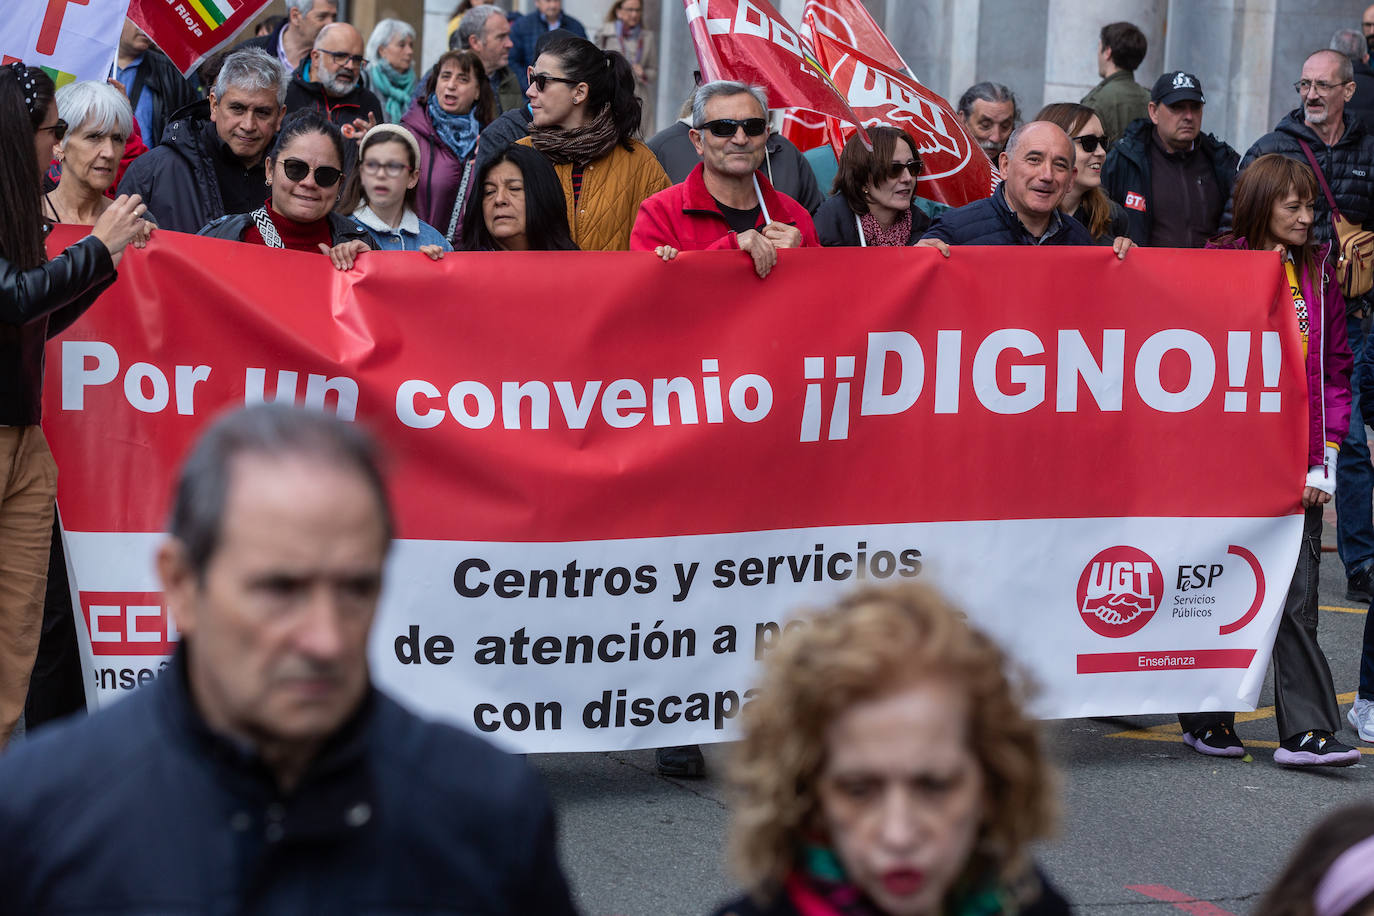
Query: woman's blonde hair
(869, 645)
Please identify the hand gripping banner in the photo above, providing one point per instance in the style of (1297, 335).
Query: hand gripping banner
(616, 478)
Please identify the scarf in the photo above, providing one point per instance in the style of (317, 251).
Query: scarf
(820, 888)
(395, 88)
(277, 231)
(457, 131)
(899, 233)
(580, 145)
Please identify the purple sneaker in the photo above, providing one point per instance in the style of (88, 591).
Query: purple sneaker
(1217, 740)
(1315, 749)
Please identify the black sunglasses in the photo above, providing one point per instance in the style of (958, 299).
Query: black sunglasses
(541, 81)
(326, 176)
(895, 169)
(1090, 142)
(726, 127)
(58, 128)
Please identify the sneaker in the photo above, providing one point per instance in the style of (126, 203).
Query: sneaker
(1359, 585)
(1217, 740)
(1315, 749)
(682, 762)
(1361, 718)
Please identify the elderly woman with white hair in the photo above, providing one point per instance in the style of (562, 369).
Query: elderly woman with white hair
(98, 121)
(392, 73)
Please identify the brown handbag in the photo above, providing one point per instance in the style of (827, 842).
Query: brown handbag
(1355, 244)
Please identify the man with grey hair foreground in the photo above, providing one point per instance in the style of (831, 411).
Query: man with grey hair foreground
(262, 771)
(990, 114)
(726, 202)
(210, 161)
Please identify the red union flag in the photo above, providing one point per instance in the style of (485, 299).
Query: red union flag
(956, 171)
(189, 31)
(849, 23)
(749, 41)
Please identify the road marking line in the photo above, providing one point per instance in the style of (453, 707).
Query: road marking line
(1342, 610)
(1180, 900)
(1170, 731)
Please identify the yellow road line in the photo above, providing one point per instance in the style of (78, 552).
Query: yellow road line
(1170, 731)
(1343, 610)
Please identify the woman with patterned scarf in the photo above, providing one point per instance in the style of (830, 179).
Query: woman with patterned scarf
(458, 102)
(586, 117)
(887, 768)
(391, 77)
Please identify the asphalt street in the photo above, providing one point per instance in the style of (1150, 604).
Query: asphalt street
(1148, 827)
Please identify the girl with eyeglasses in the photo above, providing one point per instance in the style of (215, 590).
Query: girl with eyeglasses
(586, 119)
(304, 168)
(1085, 201)
(458, 103)
(873, 194)
(381, 194)
(39, 297)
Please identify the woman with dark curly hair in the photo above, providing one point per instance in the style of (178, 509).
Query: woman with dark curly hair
(888, 767)
(1331, 873)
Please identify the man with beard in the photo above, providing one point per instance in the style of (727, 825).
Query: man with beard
(990, 114)
(330, 81)
(1345, 154)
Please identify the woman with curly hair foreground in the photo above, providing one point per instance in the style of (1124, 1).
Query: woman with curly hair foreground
(887, 767)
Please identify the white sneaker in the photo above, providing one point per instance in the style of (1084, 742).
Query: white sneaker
(1361, 718)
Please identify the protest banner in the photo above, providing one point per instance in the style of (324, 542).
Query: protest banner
(70, 39)
(615, 479)
(188, 31)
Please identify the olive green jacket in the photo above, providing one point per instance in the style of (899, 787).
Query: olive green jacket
(1118, 100)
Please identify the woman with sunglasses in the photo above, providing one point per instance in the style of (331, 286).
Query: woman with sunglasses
(97, 123)
(39, 297)
(1085, 201)
(381, 194)
(458, 103)
(1272, 210)
(873, 194)
(303, 170)
(586, 117)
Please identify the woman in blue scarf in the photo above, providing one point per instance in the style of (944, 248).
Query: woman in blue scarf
(458, 102)
(392, 75)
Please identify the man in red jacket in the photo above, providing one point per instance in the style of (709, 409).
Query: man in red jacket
(725, 202)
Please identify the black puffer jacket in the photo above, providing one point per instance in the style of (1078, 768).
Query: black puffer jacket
(1348, 167)
(1127, 171)
(168, 89)
(177, 180)
(992, 222)
(35, 304)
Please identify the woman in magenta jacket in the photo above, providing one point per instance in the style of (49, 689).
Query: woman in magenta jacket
(1273, 206)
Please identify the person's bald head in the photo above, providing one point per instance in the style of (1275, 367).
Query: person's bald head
(337, 60)
(1327, 83)
(1368, 22)
(1037, 168)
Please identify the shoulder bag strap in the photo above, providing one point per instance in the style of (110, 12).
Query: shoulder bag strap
(1321, 180)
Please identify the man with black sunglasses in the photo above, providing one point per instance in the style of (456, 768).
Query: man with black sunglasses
(726, 202)
(1173, 179)
(329, 80)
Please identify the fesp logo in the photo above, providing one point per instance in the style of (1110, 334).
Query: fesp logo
(1119, 591)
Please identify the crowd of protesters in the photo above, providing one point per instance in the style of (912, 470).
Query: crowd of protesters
(529, 134)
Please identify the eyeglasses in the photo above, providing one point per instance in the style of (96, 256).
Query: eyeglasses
(895, 169)
(389, 169)
(541, 81)
(326, 176)
(1090, 142)
(726, 127)
(1322, 85)
(58, 128)
(342, 57)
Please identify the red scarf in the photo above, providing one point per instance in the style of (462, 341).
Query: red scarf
(295, 236)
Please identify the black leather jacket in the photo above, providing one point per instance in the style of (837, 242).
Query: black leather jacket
(35, 305)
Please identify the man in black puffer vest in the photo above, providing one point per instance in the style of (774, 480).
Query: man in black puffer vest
(1345, 154)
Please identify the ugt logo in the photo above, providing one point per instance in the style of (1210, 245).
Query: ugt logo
(1119, 591)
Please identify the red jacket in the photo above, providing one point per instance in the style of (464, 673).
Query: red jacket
(685, 216)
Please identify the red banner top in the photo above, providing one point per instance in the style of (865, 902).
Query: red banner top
(614, 395)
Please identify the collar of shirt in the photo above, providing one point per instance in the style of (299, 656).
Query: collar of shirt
(410, 223)
(1054, 225)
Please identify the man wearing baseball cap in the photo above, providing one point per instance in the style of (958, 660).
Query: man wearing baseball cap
(1173, 179)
